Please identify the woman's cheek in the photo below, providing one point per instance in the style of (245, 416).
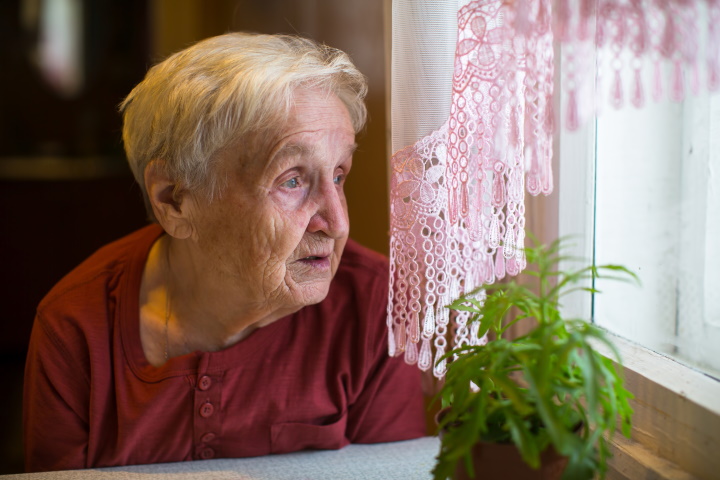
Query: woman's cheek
(276, 238)
(292, 215)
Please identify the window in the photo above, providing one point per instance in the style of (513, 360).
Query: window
(641, 188)
(644, 185)
(657, 211)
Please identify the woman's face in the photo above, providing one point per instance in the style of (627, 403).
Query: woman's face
(278, 230)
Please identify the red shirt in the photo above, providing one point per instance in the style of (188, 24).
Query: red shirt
(318, 379)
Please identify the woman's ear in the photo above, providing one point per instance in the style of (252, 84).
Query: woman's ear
(168, 200)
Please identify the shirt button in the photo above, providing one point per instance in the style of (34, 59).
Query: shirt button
(206, 410)
(208, 437)
(205, 382)
(207, 453)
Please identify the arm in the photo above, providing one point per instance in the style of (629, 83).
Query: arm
(55, 404)
(390, 407)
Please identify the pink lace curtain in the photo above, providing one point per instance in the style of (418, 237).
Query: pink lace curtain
(457, 193)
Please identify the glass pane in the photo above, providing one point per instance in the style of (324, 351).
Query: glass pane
(656, 210)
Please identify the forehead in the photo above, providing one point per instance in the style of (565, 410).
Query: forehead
(317, 109)
(316, 120)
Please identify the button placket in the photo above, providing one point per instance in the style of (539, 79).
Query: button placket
(208, 415)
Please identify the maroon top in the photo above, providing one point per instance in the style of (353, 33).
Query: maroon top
(318, 379)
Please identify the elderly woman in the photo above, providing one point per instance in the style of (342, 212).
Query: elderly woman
(243, 322)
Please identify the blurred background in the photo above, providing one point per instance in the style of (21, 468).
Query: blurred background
(65, 189)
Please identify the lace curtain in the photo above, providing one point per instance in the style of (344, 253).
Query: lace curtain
(473, 116)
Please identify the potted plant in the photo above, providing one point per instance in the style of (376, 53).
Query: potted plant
(547, 391)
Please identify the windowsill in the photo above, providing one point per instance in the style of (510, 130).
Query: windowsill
(631, 461)
(676, 424)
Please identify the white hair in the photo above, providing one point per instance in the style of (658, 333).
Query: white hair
(199, 100)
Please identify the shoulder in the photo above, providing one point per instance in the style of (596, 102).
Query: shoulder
(86, 290)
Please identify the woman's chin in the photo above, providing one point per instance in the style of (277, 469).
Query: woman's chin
(310, 292)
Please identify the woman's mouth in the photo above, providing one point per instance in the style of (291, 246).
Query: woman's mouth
(319, 262)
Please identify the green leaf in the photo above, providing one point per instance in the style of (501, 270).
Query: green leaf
(522, 438)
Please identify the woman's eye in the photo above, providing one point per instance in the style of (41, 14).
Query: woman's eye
(339, 179)
(292, 183)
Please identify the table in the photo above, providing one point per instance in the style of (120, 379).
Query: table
(408, 460)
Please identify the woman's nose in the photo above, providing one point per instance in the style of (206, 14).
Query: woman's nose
(331, 216)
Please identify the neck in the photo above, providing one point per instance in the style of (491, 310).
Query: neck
(208, 312)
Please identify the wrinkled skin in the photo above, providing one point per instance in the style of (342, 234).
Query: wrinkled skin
(271, 243)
